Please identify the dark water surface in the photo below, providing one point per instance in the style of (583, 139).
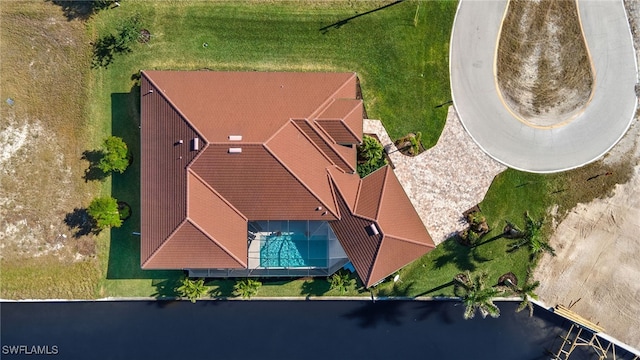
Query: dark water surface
(276, 330)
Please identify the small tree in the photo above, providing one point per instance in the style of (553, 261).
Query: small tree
(115, 155)
(104, 211)
(246, 288)
(191, 289)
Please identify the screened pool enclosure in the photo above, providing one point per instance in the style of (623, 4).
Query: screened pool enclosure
(287, 248)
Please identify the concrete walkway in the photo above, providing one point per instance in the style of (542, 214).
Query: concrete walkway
(444, 181)
(590, 135)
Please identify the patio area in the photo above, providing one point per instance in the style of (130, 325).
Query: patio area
(440, 182)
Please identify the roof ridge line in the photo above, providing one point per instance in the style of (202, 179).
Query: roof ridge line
(201, 180)
(400, 238)
(382, 190)
(327, 101)
(384, 181)
(175, 107)
(164, 242)
(211, 238)
(297, 178)
(334, 193)
(293, 121)
(376, 258)
(323, 139)
(360, 102)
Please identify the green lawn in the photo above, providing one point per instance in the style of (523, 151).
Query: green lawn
(403, 68)
(401, 60)
(400, 53)
(510, 195)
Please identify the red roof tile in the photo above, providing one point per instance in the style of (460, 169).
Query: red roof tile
(284, 165)
(381, 201)
(190, 248)
(217, 218)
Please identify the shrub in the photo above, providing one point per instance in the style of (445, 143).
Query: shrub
(104, 211)
(191, 289)
(341, 281)
(246, 288)
(371, 154)
(115, 155)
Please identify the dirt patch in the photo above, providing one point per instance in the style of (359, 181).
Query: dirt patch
(543, 67)
(43, 133)
(597, 266)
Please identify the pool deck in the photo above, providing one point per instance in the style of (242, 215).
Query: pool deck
(445, 180)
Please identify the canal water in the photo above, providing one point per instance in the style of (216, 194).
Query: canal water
(275, 330)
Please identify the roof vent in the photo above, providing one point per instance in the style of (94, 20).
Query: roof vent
(319, 208)
(195, 144)
(372, 230)
(180, 141)
(235, 137)
(235, 150)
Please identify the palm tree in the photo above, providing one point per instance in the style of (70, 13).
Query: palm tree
(531, 237)
(526, 291)
(191, 289)
(341, 281)
(247, 288)
(476, 295)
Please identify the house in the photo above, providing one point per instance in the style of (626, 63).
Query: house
(254, 174)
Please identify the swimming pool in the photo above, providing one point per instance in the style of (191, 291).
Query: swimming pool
(292, 250)
(293, 244)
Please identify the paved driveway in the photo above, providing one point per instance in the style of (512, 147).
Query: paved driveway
(516, 144)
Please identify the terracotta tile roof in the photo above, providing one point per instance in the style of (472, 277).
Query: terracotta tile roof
(325, 146)
(304, 161)
(268, 150)
(381, 204)
(342, 121)
(369, 195)
(348, 185)
(266, 181)
(217, 218)
(221, 103)
(257, 184)
(163, 172)
(189, 247)
(358, 244)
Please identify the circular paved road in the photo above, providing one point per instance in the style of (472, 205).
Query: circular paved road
(475, 95)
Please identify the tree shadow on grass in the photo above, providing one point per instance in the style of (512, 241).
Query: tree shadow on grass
(82, 9)
(223, 288)
(80, 223)
(124, 249)
(165, 288)
(437, 288)
(93, 172)
(315, 287)
(399, 289)
(457, 254)
(341, 23)
(497, 237)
